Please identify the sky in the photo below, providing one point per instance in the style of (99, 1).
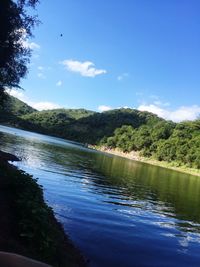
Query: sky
(107, 54)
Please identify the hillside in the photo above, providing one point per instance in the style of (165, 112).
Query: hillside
(75, 124)
(12, 109)
(124, 129)
(55, 117)
(19, 114)
(17, 107)
(178, 144)
(86, 126)
(93, 128)
(55, 122)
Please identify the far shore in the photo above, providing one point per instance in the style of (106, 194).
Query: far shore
(134, 155)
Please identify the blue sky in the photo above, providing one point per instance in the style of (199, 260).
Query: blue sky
(116, 53)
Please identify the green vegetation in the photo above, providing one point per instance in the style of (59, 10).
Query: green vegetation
(125, 129)
(35, 226)
(163, 141)
(84, 126)
(75, 124)
(17, 24)
(17, 107)
(36, 230)
(12, 109)
(56, 120)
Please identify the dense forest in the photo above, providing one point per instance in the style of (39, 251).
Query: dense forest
(164, 141)
(125, 129)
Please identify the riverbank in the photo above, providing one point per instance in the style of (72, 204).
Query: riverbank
(28, 226)
(134, 155)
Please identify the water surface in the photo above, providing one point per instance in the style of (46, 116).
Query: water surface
(117, 211)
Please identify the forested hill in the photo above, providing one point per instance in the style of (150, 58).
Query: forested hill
(76, 124)
(165, 141)
(86, 126)
(125, 129)
(12, 109)
(17, 107)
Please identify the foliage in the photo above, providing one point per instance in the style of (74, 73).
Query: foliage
(55, 122)
(164, 141)
(12, 109)
(35, 223)
(16, 26)
(85, 126)
(126, 129)
(17, 107)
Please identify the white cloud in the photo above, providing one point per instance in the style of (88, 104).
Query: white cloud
(41, 75)
(185, 113)
(26, 43)
(126, 107)
(42, 71)
(31, 45)
(45, 105)
(40, 68)
(35, 56)
(160, 103)
(103, 108)
(180, 114)
(122, 76)
(85, 69)
(37, 105)
(59, 83)
(16, 93)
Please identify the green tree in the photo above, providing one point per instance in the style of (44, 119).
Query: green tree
(16, 24)
(162, 130)
(166, 150)
(143, 138)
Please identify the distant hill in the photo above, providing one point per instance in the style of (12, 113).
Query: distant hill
(19, 114)
(13, 108)
(56, 116)
(86, 126)
(17, 107)
(56, 122)
(125, 129)
(93, 128)
(75, 124)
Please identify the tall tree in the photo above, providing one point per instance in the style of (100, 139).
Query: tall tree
(16, 25)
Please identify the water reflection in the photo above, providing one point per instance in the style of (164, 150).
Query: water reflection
(168, 189)
(108, 203)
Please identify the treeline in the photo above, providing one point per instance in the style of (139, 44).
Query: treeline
(165, 141)
(85, 126)
(75, 124)
(12, 109)
(126, 129)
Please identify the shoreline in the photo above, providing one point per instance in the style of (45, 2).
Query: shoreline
(29, 226)
(134, 155)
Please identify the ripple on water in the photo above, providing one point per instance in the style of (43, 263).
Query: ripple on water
(119, 212)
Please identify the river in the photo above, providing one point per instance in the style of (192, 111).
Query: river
(120, 213)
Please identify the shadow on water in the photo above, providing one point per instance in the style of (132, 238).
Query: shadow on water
(133, 180)
(108, 203)
(141, 181)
